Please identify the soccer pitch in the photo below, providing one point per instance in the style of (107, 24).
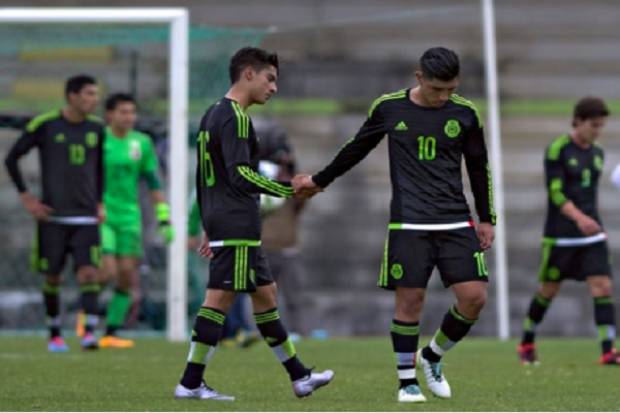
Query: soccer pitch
(484, 375)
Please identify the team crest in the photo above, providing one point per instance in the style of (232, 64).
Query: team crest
(396, 271)
(135, 152)
(598, 162)
(452, 128)
(92, 139)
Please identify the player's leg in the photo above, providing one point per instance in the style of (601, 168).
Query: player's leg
(120, 303)
(264, 302)
(462, 266)
(209, 324)
(48, 257)
(84, 241)
(539, 305)
(407, 265)
(604, 316)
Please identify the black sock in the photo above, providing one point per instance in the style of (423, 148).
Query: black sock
(277, 338)
(605, 319)
(89, 293)
(205, 335)
(453, 328)
(405, 344)
(535, 314)
(51, 300)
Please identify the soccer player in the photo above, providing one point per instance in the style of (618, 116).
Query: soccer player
(574, 245)
(228, 189)
(129, 155)
(430, 129)
(70, 142)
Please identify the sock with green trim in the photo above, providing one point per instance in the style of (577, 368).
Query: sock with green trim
(453, 328)
(117, 311)
(51, 299)
(277, 338)
(405, 344)
(605, 319)
(207, 330)
(89, 294)
(535, 314)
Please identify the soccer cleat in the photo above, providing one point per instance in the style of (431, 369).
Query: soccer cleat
(203, 392)
(306, 385)
(435, 380)
(411, 394)
(527, 354)
(80, 320)
(89, 342)
(57, 345)
(115, 342)
(611, 358)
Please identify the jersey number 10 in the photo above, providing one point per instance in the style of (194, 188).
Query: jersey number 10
(426, 148)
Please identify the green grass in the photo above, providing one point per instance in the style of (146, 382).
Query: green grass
(483, 373)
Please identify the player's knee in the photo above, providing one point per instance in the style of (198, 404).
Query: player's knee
(474, 300)
(601, 288)
(53, 279)
(88, 275)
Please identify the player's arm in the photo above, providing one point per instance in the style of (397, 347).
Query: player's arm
(477, 164)
(22, 146)
(149, 171)
(100, 176)
(555, 178)
(356, 149)
(236, 153)
(615, 176)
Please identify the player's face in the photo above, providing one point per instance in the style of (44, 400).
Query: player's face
(86, 99)
(264, 84)
(123, 116)
(590, 129)
(436, 92)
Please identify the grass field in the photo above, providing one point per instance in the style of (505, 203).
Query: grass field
(483, 373)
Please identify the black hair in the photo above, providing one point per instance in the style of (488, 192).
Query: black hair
(75, 83)
(117, 98)
(250, 56)
(440, 63)
(589, 107)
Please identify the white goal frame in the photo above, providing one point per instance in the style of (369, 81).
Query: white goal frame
(178, 21)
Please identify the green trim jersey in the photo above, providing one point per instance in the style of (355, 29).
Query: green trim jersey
(70, 156)
(227, 182)
(571, 174)
(126, 160)
(426, 147)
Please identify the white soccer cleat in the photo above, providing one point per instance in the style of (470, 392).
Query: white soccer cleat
(435, 380)
(306, 385)
(203, 392)
(411, 394)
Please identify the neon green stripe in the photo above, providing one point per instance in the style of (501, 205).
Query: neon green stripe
(238, 268)
(459, 100)
(395, 225)
(603, 300)
(555, 148)
(542, 300)
(528, 324)
(211, 315)
(289, 348)
(50, 288)
(37, 121)
(555, 192)
(265, 318)
(405, 330)
(241, 243)
(243, 121)
(459, 317)
(389, 96)
(94, 118)
(441, 338)
(384, 264)
(238, 118)
(267, 184)
(491, 199)
(244, 274)
(546, 252)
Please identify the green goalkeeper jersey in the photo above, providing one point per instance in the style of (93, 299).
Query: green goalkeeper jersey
(125, 161)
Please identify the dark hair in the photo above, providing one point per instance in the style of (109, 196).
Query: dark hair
(250, 56)
(76, 83)
(588, 108)
(439, 63)
(114, 100)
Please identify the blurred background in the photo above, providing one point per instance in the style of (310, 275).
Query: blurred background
(336, 57)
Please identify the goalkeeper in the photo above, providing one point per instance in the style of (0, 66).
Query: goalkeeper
(128, 156)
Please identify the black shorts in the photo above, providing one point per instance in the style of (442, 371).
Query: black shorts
(411, 255)
(573, 263)
(238, 268)
(54, 241)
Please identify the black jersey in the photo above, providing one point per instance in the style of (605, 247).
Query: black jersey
(71, 159)
(426, 147)
(227, 183)
(572, 174)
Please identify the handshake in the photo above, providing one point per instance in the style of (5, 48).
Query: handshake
(305, 187)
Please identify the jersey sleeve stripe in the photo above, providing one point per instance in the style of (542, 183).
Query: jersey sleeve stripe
(243, 121)
(267, 184)
(37, 121)
(553, 153)
(395, 95)
(555, 192)
(459, 100)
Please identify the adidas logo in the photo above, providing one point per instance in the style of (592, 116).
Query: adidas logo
(573, 162)
(401, 126)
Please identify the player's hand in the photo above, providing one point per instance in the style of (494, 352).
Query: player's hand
(162, 213)
(486, 235)
(37, 209)
(305, 187)
(166, 230)
(588, 226)
(204, 250)
(101, 215)
(193, 242)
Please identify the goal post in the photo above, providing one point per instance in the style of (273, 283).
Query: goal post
(178, 21)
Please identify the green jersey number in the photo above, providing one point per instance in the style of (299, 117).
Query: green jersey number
(481, 264)
(426, 148)
(77, 154)
(207, 173)
(586, 178)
